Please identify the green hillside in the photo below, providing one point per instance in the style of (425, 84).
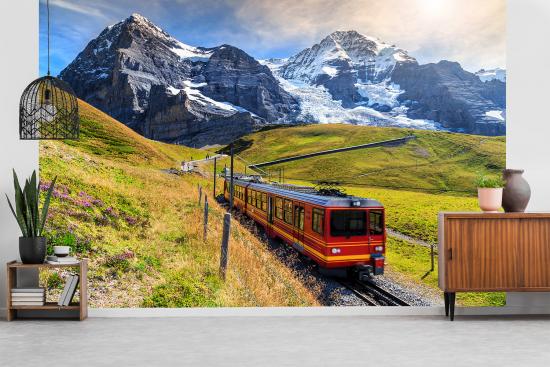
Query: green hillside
(434, 161)
(115, 204)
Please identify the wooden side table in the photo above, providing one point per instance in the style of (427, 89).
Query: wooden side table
(81, 307)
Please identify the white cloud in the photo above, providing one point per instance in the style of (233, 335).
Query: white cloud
(78, 7)
(469, 31)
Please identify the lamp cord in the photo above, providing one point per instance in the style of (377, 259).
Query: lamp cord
(48, 10)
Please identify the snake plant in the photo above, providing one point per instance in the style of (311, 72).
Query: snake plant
(30, 219)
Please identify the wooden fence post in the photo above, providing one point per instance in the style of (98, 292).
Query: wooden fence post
(215, 161)
(200, 194)
(205, 216)
(225, 244)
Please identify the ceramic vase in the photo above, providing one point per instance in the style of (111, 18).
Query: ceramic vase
(516, 193)
(490, 199)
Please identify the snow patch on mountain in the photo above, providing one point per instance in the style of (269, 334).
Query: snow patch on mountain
(190, 52)
(492, 74)
(496, 114)
(194, 94)
(384, 93)
(330, 71)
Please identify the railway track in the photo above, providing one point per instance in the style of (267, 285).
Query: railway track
(372, 294)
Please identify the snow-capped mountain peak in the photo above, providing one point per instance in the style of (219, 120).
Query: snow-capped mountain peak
(184, 51)
(342, 52)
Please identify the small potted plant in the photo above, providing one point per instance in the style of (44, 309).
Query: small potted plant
(489, 193)
(31, 220)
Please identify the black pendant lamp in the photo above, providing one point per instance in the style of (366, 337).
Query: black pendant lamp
(48, 108)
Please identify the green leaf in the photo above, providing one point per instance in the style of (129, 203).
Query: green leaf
(19, 220)
(46, 206)
(20, 204)
(35, 201)
(27, 192)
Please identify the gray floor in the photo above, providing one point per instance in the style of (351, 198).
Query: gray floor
(278, 341)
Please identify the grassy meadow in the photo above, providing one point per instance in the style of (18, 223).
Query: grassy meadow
(433, 162)
(141, 227)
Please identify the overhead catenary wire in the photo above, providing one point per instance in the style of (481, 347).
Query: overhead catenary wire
(351, 183)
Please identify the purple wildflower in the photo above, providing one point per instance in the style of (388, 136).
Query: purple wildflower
(130, 220)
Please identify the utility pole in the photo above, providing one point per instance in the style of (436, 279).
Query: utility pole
(231, 182)
(214, 178)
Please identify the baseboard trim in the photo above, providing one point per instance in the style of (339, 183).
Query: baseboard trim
(307, 311)
(310, 311)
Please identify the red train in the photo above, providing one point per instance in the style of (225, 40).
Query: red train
(341, 234)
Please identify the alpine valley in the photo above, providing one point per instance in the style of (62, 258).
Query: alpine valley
(173, 92)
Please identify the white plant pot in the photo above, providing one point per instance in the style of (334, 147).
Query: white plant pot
(490, 199)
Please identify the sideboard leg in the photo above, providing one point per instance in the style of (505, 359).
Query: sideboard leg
(452, 299)
(446, 299)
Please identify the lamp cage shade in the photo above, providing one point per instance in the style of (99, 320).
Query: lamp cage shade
(48, 110)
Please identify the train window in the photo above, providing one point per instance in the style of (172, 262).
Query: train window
(279, 208)
(376, 222)
(288, 211)
(258, 203)
(318, 220)
(249, 198)
(348, 223)
(264, 201)
(299, 217)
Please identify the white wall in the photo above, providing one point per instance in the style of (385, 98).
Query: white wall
(528, 138)
(528, 96)
(19, 65)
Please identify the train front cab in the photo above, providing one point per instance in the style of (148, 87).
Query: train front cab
(355, 239)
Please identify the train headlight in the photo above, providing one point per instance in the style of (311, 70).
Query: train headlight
(356, 203)
(379, 248)
(335, 250)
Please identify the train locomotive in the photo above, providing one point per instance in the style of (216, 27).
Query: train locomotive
(345, 236)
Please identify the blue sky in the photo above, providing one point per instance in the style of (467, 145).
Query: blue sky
(469, 31)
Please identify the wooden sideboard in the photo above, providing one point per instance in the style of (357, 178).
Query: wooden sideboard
(493, 252)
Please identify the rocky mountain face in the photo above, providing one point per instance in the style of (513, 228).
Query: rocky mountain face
(459, 100)
(170, 91)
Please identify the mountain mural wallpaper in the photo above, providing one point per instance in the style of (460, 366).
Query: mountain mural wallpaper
(165, 86)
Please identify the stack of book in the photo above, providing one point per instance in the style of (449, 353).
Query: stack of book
(57, 260)
(28, 296)
(69, 290)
